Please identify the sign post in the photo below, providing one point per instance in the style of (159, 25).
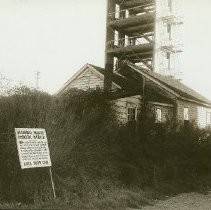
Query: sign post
(52, 183)
(33, 150)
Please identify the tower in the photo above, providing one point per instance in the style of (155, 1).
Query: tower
(143, 32)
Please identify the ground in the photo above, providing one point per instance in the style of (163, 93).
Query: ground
(185, 201)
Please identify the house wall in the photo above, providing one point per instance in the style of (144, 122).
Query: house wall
(89, 80)
(197, 114)
(192, 110)
(202, 113)
(167, 111)
(121, 105)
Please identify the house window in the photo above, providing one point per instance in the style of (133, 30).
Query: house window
(208, 118)
(186, 114)
(131, 114)
(158, 115)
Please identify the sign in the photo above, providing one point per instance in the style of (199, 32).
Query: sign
(33, 148)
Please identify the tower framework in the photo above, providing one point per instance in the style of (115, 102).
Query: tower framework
(144, 32)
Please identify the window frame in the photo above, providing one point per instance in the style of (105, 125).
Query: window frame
(129, 114)
(158, 116)
(186, 114)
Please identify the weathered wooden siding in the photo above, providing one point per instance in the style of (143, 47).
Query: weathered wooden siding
(167, 111)
(197, 114)
(122, 104)
(192, 110)
(202, 114)
(89, 80)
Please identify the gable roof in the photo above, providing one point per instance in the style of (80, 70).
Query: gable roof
(172, 85)
(118, 80)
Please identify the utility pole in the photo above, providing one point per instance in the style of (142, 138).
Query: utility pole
(37, 79)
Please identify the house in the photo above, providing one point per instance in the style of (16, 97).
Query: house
(131, 85)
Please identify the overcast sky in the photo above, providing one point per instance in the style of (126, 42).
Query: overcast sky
(57, 37)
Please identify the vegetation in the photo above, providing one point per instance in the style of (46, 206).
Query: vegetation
(97, 163)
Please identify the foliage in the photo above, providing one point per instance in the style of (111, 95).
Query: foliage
(98, 163)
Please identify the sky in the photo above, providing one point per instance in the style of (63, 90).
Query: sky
(58, 37)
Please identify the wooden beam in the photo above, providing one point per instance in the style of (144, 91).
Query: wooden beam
(133, 21)
(139, 29)
(134, 3)
(148, 39)
(146, 64)
(144, 9)
(140, 55)
(133, 48)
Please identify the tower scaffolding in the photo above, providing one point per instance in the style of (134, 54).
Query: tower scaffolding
(143, 33)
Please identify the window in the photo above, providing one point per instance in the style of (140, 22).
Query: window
(208, 118)
(131, 114)
(158, 115)
(186, 114)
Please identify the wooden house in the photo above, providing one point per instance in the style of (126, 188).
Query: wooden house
(131, 85)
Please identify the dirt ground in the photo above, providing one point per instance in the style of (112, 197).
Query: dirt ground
(185, 201)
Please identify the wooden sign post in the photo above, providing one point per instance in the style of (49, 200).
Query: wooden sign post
(52, 183)
(33, 150)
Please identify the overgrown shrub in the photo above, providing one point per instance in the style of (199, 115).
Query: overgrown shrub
(92, 154)
(81, 130)
(159, 153)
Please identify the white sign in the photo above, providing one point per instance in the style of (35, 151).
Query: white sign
(33, 148)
